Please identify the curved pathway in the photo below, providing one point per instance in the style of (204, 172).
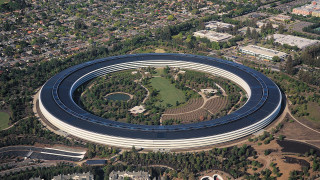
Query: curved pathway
(289, 112)
(148, 93)
(120, 92)
(201, 107)
(160, 165)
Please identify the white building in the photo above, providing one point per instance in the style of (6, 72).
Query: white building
(213, 25)
(120, 175)
(209, 91)
(261, 52)
(137, 109)
(300, 42)
(244, 30)
(212, 35)
(308, 9)
(75, 176)
(260, 24)
(280, 17)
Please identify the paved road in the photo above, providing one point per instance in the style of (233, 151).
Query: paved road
(41, 153)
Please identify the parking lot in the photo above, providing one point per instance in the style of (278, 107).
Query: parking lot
(40, 153)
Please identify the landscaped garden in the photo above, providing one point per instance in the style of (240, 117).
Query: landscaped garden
(159, 96)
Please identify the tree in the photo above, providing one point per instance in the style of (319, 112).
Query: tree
(171, 17)
(215, 45)
(281, 29)
(9, 51)
(276, 59)
(79, 24)
(281, 137)
(248, 32)
(267, 152)
(289, 66)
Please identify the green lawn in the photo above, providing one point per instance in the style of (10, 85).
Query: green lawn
(4, 120)
(313, 109)
(160, 71)
(3, 1)
(168, 93)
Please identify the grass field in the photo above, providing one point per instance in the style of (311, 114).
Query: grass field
(4, 120)
(168, 93)
(159, 72)
(314, 109)
(3, 1)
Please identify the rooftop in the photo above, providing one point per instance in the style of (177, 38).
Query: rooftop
(212, 35)
(293, 40)
(137, 109)
(75, 176)
(262, 50)
(212, 25)
(140, 175)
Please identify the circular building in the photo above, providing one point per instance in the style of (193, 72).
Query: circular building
(58, 107)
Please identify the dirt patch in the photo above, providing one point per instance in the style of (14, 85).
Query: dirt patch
(276, 156)
(294, 130)
(159, 51)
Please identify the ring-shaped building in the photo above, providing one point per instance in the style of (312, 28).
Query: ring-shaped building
(58, 107)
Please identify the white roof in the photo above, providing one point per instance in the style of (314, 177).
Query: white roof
(294, 40)
(264, 51)
(212, 35)
(137, 109)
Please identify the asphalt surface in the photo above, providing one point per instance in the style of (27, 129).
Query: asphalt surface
(41, 153)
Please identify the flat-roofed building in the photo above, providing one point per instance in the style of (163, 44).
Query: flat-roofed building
(316, 13)
(280, 17)
(213, 25)
(260, 24)
(262, 52)
(302, 11)
(75, 176)
(308, 9)
(300, 42)
(244, 30)
(212, 35)
(120, 175)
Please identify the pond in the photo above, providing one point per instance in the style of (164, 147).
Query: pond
(118, 97)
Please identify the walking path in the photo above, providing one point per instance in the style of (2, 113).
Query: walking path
(289, 112)
(148, 93)
(202, 106)
(233, 107)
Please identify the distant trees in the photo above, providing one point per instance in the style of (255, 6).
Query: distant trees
(233, 160)
(289, 65)
(79, 24)
(13, 5)
(310, 56)
(171, 17)
(267, 29)
(276, 59)
(281, 137)
(49, 172)
(8, 26)
(312, 28)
